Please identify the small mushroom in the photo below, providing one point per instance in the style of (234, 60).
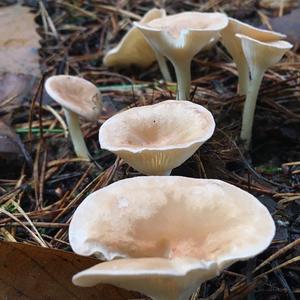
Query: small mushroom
(234, 46)
(133, 49)
(167, 234)
(259, 56)
(180, 37)
(78, 97)
(154, 139)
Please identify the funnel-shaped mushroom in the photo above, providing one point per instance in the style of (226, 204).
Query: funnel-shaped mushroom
(260, 56)
(133, 49)
(234, 46)
(154, 139)
(180, 37)
(78, 97)
(173, 233)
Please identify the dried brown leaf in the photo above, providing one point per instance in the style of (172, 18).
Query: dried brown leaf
(19, 41)
(31, 272)
(9, 145)
(12, 149)
(19, 57)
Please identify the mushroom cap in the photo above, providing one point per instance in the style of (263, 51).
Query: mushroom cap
(183, 34)
(157, 138)
(192, 228)
(75, 94)
(234, 46)
(260, 54)
(133, 49)
(233, 43)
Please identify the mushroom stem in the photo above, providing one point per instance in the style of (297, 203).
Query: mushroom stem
(249, 107)
(163, 66)
(76, 135)
(183, 75)
(243, 75)
(166, 173)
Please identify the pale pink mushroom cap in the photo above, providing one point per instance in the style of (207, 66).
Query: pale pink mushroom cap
(183, 34)
(75, 94)
(173, 233)
(180, 37)
(154, 139)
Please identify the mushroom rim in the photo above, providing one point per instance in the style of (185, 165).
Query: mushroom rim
(209, 132)
(285, 45)
(186, 30)
(178, 267)
(275, 33)
(191, 264)
(182, 270)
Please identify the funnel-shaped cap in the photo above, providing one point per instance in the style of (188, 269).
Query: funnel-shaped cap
(262, 55)
(155, 139)
(173, 232)
(234, 46)
(133, 49)
(183, 35)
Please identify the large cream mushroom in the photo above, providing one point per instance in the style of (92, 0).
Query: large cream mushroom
(172, 233)
(180, 37)
(78, 97)
(259, 56)
(133, 49)
(234, 46)
(154, 139)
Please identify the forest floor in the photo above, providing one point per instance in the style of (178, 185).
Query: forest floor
(45, 182)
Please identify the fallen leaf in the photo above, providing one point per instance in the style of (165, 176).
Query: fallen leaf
(15, 86)
(9, 147)
(19, 57)
(19, 41)
(12, 150)
(35, 273)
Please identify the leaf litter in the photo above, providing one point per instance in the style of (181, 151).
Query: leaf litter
(19, 69)
(74, 38)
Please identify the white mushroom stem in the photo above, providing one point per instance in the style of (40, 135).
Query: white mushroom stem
(76, 135)
(167, 173)
(183, 75)
(249, 106)
(243, 77)
(163, 66)
(260, 56)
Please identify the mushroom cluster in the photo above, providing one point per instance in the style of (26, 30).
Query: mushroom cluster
(165, 235)
(181, 36)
